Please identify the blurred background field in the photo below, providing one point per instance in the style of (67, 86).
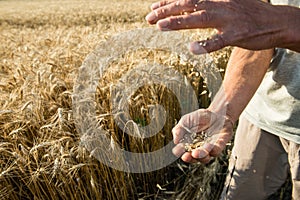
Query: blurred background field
(42, 46)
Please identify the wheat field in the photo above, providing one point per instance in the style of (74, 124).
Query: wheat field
(42, 46)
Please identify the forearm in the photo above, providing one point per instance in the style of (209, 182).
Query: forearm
(291, 36)
(244, 73)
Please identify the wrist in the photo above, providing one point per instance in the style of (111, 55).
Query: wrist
(222, 111)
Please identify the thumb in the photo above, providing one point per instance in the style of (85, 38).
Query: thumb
(207, 46)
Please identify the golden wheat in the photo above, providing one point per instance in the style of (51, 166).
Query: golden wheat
(42, 46)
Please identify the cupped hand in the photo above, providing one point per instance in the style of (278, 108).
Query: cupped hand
(218, 128)
(250, 24)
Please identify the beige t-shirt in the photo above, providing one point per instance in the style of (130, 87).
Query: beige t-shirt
(275, 107)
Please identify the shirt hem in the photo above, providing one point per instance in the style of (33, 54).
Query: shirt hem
(272, 129)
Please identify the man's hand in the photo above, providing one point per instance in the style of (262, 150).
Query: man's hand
(250, 24)
(218, 128)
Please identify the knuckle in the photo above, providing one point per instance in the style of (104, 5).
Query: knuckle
(186, 2)
(158, 12)
(163, 3)
(190, 2)
(220, 41)
(215, 152)
(205, 17)
(177, 21)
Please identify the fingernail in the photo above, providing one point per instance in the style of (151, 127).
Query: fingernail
(198, 48)
(199, 153)
(151, 17)
(155, 5)
(202, 154)
(163, 25)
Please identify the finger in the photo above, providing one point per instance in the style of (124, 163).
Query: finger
(202, 151)
(205, 160)
(179, 150)
(201, 155)
(207, 46)
(172, 9)
(191, 123)
(188, 158)
(194, 122)
(178, 134)
(199, 19)
(220, 144)
(161, 3)
(181, 134)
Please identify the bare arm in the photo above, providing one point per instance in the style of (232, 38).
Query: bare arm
(249, 24)
(244, 74)
(291, 38)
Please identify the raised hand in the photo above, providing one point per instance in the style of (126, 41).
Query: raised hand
(250, 24)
